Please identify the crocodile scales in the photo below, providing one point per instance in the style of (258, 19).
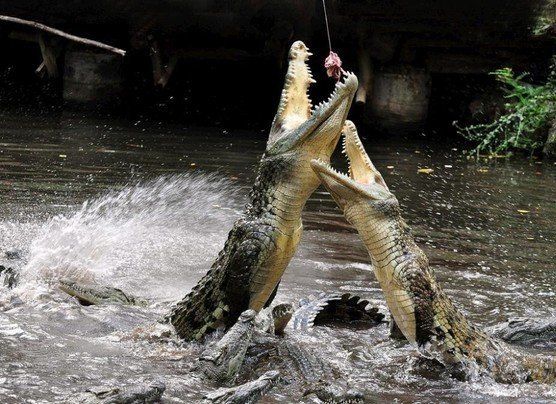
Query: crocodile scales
(260, 245)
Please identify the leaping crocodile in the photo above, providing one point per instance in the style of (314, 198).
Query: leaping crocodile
(260, 245)
(424, 313)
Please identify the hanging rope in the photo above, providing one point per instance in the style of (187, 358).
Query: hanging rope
(327, 26)
(333, 63)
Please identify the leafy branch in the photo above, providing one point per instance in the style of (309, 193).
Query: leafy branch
(528, 112)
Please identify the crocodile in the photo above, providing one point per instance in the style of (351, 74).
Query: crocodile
(326, 309)
(301, 367)
(222, 361)
(145, 394)
(421, 309)
(247, 393)
(94, 294)
(86, 293)
(261, 243)
(538, 333)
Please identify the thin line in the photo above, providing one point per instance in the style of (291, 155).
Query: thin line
(63, 34)
(327, 27)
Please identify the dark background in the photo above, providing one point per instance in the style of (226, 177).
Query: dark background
(232, 54)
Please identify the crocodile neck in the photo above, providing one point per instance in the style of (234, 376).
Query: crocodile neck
(280, 193)
(426, 315)
(276, 202)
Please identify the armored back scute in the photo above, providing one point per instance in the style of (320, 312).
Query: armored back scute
(345, 310)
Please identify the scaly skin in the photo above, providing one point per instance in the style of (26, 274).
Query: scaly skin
(92, 294)
(421, 309)
(220, 362)
(538, 332)
(248, 393)
(336, 309)
(303, 367)
(260, 245)
(148, 393)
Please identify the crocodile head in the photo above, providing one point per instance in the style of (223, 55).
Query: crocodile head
(222, 360)
(374, 211)
(362, 192)
(301, 132)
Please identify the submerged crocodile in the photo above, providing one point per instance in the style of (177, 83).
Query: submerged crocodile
(302, 367)
(86, 293)
(248, 393)
(260, 245)
(222, 361)
(94, 294)
(424, 313)
(539, 333)
(148, 393)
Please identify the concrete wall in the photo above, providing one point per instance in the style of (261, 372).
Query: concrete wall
(400, 98)
(91, 77)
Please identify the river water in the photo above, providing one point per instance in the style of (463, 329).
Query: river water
(146, 207)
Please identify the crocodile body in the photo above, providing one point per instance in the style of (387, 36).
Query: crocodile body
(260, 245)
(424, 313)
(335, 309)
(256, 343)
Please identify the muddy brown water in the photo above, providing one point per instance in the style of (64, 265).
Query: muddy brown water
(147, 206)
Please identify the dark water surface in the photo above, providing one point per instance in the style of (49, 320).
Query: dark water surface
(146, 207)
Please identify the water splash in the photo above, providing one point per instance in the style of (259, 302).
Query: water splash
(139, 236)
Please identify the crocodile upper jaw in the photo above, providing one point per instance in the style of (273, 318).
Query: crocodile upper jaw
(297, 123)
(363, 181)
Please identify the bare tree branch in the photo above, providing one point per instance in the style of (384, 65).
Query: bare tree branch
(62, 34)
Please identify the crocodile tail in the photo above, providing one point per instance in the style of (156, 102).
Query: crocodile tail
(336, 308)
(202, 310)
